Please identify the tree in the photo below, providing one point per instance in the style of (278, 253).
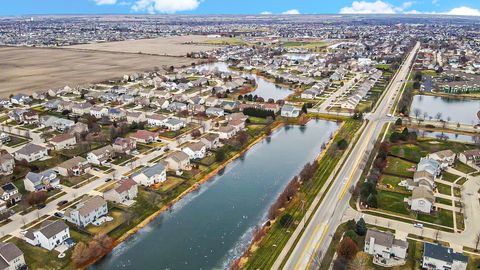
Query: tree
(360, 262)
(342, 144)
(361, 227)
(196, 133)
(347, 249)
(242, 137)
(220, 155)
(340, 263)
(286, 220)
(36, 198)
(80, 254)
(372, 201)
(398, 122)
(477, 241)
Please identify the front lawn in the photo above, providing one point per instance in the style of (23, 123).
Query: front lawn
(441, 217)
(450, 177)
(444, 189)
(409, 151)
(399, 167)
(392, 202)
(393, 181)
(459, 166)
(40, 258)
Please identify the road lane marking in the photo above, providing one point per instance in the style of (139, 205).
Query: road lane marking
(316, 246)
(297, 264)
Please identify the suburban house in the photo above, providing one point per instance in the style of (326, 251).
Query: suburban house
(151, 175)
(211, 140)
(100, 155)
(124, 145)
(31, 152)
(10, 194)
(195, 150)
(144, 136)
(470, 157)
(50, 235)
(174, 124)
(41, 181)
(98, 112)
(11, 257)
(422, 200)
(81, 108)
(445, 158)
(156, 120)
(178, 161)
(135, 117)
(384, 244)
(87, 211)
(238, 124)
(437, 257)
(215, 112)
(290, 111)
(430, 165)
(73, 167)
(226, 132)
(125, 190)
(7, 163)
(63, 141)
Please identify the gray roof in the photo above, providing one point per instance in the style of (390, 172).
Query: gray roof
(442, 253)
(151, 171)
(30, 149)
(50, 228)
(9, 251)
(386, 239)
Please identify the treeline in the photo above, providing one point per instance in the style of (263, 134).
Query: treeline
(261, 113)
(368, 189)
(83, 254)
(405, 135)
(349, 255)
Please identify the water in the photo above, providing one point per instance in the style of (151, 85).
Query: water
(210, 228)
(265, 88)
(446, 135)
(458, 110)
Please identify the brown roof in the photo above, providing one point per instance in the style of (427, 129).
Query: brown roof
(472, 153)
(125, 185)
(89, 205)
(422, 192)
(9, 251)
(178, 156)
(62, 137)
(71, 162)
(381, 238)
(195, 146)
(4, 156)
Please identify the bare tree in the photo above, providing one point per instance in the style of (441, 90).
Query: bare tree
(477, 241)
(437, 235)
(417, 113)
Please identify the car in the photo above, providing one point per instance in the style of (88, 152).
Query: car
(389, 115)
(63, 202)
(41, 206)
(108, 180)
(58, 214)
(418, 225)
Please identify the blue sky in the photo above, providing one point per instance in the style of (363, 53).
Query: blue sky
(27, 7)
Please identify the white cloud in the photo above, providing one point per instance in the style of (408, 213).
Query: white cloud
(291, 12)
(364, 7)
(464, 11)
(165, 6)
(266, 13)
(105, 2)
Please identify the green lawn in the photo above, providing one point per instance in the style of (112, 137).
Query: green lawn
(409, 151)
(442, 217)
(459, 166)
(450, 177)
(40, 258)
(392, 202)
(399, 167)
(393, 181)
(443, 201)
(444, 189)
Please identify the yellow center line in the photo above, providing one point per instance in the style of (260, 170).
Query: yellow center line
(306, 246)
(318, 244)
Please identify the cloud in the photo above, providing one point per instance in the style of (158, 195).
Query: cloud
(164, 6)
(266, 13)
(464, 11)
(291, 12)
(364, 7)
(105, 2)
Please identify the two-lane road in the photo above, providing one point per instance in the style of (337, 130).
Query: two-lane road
(319, 231)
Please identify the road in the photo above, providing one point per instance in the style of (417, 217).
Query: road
(319, 231)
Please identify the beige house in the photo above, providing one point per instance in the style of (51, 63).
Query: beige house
(178, 161)
(123, 191)
(63, 141)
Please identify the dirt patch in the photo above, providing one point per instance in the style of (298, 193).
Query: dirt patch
(168, 46)
(25, 70)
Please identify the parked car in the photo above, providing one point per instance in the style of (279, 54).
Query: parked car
(58, 214)
(61, 203)
(418, 225)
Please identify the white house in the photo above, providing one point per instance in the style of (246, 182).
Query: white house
(430, 165)
(101, 155)
(212, 111)
(437, 257)
(40, 181)
(11, 257)
(62, 141)
(177, 161)
(50, 235)
(384, 244)
(9, 193)
(422, 200)
(445, 158)
(31, 152)
(195, 150)
(470, 157)
(211, 140)
(156, 120)
(98, 112)
(124, 191)
(174, 124)
(290, 111)
(7, 163)
(87, 211)
(135, 117)
(151, 175)
(226, 132)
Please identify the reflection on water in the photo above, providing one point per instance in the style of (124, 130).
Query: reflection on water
(455, 110)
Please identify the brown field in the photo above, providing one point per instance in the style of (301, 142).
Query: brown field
(171, 46)
(25, 70)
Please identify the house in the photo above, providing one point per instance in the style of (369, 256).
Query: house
(421, 178)
(7, 163)
(73, 167)
(271, 107)
(124, 191)
(236, 116)
(57, 123)
(101, 155)
(230, 105)
(226, 132)
(237, 124)
(290, 111)
(31, 117)
(41, 181)
(98, 111)
(177, 161)
(17, 115)
(9, 193)
(79, 128)
(422, 200)
(445, 158)
(437, 257)
(63, 141)
(156, 120)
(144, 136)
(384, 244)
(30, 152)
(216, 112)
(150, 175)
(430, 165)
(177, 107)
(174, 124)
(116, 114)
(211, 140)
(311, 94)
(211, 102)
(11, 257)
(87, 211)
(195, 150)
(50, 234)
(20, 99)
(124, 145)
(135, 117)
(81, 108)
(470, 157)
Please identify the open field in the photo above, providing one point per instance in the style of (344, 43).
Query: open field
(171, 46)
(29, 69)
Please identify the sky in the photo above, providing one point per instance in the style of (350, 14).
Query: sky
(33, 7)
